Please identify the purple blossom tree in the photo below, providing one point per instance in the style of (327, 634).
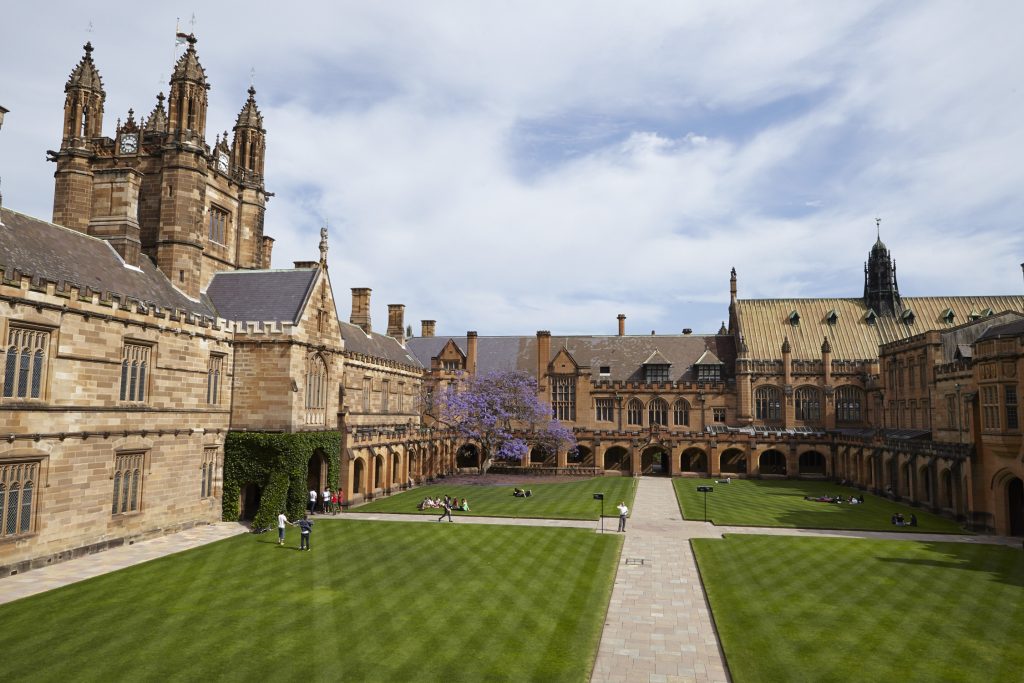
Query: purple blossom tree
(500, 411)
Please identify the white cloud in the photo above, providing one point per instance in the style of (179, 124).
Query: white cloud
(687, 139)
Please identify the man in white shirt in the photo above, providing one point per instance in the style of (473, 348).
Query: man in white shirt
(325, 504)
(623, 512)
(281, 521)
(312, 501)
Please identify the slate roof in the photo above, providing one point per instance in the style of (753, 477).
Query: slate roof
(1011, 329)
(961, 338)
(261, 295)
(624, 356)
(764, 323)
(377, 345)
(50, 252)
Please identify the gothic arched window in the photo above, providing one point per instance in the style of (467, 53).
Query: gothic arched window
(681, 413)
(657, 412)
(808, 404)
(849, 404)
(634, 412)
(768, 404)
(316, 390)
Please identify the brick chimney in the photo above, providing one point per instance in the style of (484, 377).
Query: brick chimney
(396, 322)
(268, 249)
(622, 324)
(361, 308)
(427, 328)
(543, 358)
(471, 352)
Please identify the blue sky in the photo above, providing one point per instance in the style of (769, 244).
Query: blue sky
(509, 167)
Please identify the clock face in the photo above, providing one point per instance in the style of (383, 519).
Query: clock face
(129, 143)
(222, 162)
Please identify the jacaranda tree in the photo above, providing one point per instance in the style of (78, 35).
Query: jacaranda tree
(501, 413)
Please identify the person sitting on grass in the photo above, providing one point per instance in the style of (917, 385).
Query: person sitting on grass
(465, 505)
(519, 493)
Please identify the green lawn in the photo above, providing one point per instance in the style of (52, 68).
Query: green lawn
(830, 609)
(570, 500)
(371, 602)
(780, 503)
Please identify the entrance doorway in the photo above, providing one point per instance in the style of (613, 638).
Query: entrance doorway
(316, 472)
(249, 502)
(654, 462)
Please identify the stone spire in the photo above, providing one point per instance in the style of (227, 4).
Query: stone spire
(157, 121)
(881, 291)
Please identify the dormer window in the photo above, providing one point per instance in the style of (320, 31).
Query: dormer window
(908, 316)
(605, 371)
(832, 318)
(655, 373)
(451, 365)
(870, 317)
(987, 312)
(794, 318)
(973, 315)
(948, 315)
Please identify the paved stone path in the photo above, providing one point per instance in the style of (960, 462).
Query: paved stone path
(88, 566)
(658, 627)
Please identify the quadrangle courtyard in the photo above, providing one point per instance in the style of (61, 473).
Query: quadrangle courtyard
(388, 597)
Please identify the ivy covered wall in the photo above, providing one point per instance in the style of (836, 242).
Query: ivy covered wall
(277, 463)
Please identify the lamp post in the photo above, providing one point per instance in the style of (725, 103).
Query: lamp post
(705, 490)
(600, 497)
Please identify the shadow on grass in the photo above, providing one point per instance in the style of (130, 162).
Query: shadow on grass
(1005, 565)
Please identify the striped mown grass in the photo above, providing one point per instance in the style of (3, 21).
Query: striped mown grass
(371, 602)
(831, 609)
(568, 500)
(780, 503)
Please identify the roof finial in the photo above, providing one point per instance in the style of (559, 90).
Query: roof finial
(252, 79)
(323, 245)
(878, 228)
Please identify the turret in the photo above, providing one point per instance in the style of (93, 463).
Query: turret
(188, 100)
(881, 292)
(249, 146)
(83, 122)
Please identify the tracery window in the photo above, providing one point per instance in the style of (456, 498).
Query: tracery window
(127, 483)
(25, 363)
(849, 403)
(681, 413)
(990, 407)
(605, 409)
(218, 223)
(768, 404)
(213, 378)
(134, 369)
(808, 404)
(18, 484)
(208, 472)
(657, 412)
(563, 397)
(316, 390)
(634, 412)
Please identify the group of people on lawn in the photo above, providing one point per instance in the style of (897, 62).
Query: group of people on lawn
(838, 500)
(326, 502)
(446, 502)
(897, 520)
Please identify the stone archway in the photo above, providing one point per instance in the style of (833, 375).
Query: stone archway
(316, 471)
(946, 489)
(358, 476)
(580, 456)
(539, 455)
(378, 472)
(467, 456)
(1015, 507)
(249, 501)
(733, 461)
(693, 460)
(772, 462)
(396, 470)
(617, 458)
(812, 463)
(654, 461)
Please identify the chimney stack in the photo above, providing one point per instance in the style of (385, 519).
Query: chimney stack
(427, 328)
(471, 352)
(268, 249)
(396, 322)
(361, 308)
(543, 358)
(622, 324)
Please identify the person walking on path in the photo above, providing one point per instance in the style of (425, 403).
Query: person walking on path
(447, 510)
(305, 525)
(623, 513)
(281, 521)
